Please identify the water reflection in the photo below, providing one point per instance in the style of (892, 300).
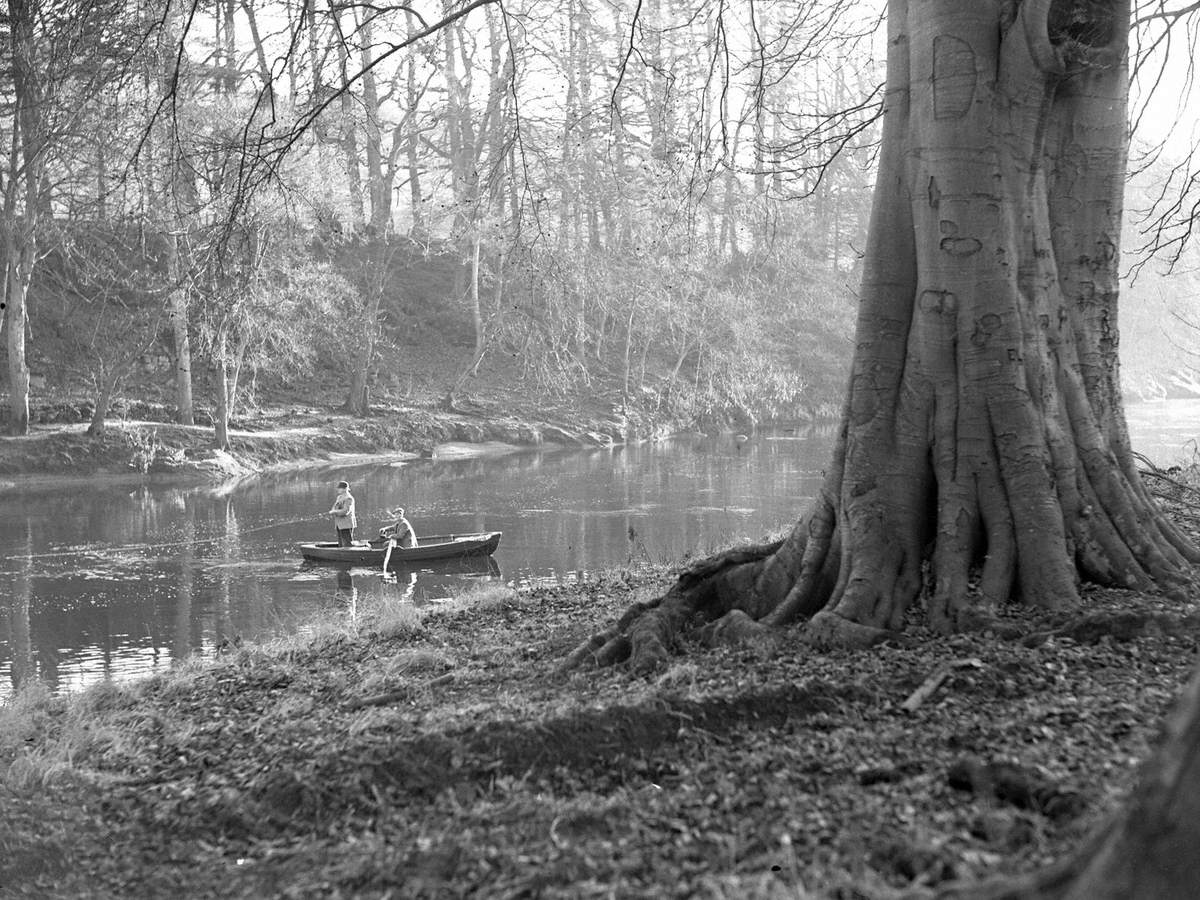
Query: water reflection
(23, 668)
(100, 581)
(105, 581)
(1166, 431)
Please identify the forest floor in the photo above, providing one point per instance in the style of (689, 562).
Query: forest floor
(442, 752)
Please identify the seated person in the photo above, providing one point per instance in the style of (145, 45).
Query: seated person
(399, 534)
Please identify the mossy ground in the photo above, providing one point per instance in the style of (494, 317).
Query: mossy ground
(398, 753)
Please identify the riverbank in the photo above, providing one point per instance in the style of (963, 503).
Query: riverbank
(145, 449)
(405, 752)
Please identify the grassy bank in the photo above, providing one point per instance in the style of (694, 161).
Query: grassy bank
(403, 752)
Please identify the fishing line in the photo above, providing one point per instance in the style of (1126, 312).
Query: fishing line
(126, 548)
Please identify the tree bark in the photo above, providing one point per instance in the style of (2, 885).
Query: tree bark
(221, 413)
(375, 270)
(108, 386)
(379, 188)
(476, 305)
(983, 453)
(176, 195)
(379, 184)
(17, 315)
(21, 204)
(181, 342)
(419, 231)
(349, 126)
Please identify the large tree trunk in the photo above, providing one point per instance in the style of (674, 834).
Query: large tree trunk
(983, 452)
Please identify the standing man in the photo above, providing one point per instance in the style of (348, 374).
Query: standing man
(343, 515)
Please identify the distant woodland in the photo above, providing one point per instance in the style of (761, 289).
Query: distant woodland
(215, 197)
(209, 204)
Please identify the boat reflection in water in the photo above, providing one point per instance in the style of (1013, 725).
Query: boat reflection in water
(417, 582)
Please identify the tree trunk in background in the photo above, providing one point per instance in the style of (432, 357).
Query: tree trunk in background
(476, 308)
(568, 172)
(595, 190)
(657, 90)
(760, 229)
(103, 400)
(375, 265)
(173, 192)
(221, 414)
(349, 131)
(260, 52)
(379, 186)
(729, 213)
(983, 451)
(21, 204)
(626, 363)
(420, 230)
(16, 316)
(181, 343)
(375, 272)
(235, 371)
(497, 306)
(460, 140)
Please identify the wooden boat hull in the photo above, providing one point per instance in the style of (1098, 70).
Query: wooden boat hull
(434, 547)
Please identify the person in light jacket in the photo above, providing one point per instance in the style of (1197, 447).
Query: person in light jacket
(399, 534)
(342, 514)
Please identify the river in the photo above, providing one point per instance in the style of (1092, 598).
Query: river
(102, 581)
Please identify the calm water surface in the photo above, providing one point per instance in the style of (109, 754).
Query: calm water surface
(101, 581)
(1165, 431)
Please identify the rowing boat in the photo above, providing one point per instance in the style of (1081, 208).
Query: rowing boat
(438, 546)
